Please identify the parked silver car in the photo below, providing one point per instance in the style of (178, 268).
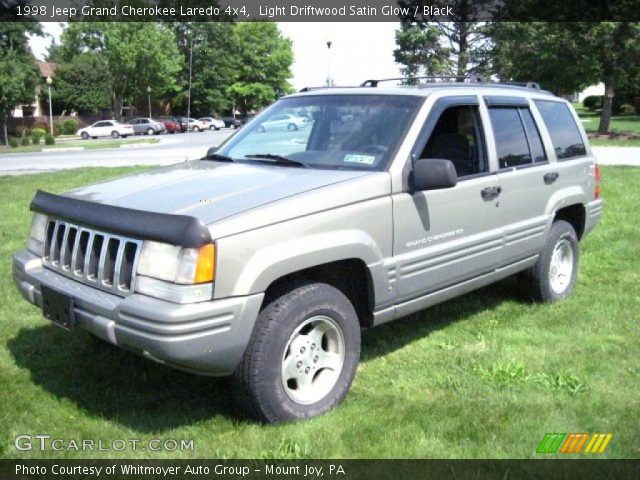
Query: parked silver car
(283, 121)
(147, 126)
(266, 258)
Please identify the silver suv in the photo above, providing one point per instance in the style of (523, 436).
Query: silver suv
(266, 258)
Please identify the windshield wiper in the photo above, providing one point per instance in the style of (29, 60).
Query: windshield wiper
(218, 157)
(277, 159)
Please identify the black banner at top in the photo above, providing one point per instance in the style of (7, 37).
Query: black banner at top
(320, 10)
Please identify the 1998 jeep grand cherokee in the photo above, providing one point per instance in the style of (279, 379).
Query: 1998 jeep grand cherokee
(266, 258)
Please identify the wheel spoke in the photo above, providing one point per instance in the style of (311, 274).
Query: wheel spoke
(289, 368)
(329, 360)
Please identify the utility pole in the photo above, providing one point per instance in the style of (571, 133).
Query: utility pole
(329, 79)
(49, 82)
(190, 66)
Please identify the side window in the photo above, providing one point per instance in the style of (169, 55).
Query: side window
(458, 137)
(510, 137)
(533, 136)
(565, 135)
(517, 137)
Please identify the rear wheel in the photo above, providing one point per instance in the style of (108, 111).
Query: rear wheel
(553, 277)
(302, 355)
(196, 129)
(291, 127)
(115, 134)
(151, 131)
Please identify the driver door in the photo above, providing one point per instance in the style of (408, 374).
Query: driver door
(445, 237)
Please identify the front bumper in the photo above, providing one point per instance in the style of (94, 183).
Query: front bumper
(207, 338)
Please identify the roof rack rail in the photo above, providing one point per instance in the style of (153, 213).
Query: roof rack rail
(430, 78)
(534, 85)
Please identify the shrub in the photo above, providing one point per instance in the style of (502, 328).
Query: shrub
(36, 135)
(14, 142)
(22, 130)
(628, 109)
(69, 126)
(49, 139)
(24, 141)
(592, 102)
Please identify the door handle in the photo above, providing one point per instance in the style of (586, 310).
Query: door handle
(550, 177)
(490, 192)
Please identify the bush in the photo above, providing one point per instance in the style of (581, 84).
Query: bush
(592, 102)
(36, 135)
(628, 109)
(69, 126)
(24, 141)
(49, 139)
(14, 142)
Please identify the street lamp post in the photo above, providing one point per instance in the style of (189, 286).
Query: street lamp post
(49, 82)
(329, 79)
(149, 95)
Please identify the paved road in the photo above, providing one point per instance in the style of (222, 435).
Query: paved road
(177, 148)
(618, 155)
(171, 149)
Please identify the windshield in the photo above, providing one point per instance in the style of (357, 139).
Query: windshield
(327, 131)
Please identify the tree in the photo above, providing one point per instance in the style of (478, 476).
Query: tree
(136, 55)
(461, 41)
(264, 59)
(18, 77)
(211, 48)
(420, 52)
(82, 84)
(566, 57)
(18, 72)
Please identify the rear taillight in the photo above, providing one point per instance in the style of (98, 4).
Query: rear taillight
(597, 192)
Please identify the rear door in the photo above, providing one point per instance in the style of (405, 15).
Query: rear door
(526, 176)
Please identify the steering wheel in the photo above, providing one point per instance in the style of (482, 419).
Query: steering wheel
(374, 148)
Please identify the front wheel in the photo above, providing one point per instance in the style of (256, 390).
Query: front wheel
(115, 134)
(292, 127)
(554, 275)
(302, 355)
(196, 129)
(151, 131)
(85, 136)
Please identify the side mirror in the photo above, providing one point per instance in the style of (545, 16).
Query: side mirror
(433, 174)
(211, 151)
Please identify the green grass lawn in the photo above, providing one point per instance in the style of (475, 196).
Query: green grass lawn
(86, 144)
(621, 125)
(484, 375)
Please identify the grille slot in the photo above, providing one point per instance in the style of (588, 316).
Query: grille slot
(93, 257)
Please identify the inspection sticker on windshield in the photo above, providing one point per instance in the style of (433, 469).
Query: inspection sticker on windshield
(363, 159)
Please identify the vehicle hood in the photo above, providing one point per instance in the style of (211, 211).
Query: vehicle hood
(209, 191)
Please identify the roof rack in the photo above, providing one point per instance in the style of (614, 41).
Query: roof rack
(534, 85)
(429, 79)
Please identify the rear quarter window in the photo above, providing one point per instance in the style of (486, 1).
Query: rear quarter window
(565, 135)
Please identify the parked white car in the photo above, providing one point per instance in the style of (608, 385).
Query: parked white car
(196, 125)
(106, 128)
(284, 121)
(212, 123)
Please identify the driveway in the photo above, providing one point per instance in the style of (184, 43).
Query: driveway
(617, 155)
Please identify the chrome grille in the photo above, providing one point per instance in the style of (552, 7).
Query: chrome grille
(96, 258)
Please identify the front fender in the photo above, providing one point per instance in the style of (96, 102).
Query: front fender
(276, 261)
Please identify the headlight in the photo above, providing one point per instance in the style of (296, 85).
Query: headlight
(176, 274)
(37, 232)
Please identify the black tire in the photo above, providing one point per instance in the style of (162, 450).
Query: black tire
(292, 127)
(85, 136)
(259, 374)
(115, 134)
(196, 129)
(540, 286)
(151, 131)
